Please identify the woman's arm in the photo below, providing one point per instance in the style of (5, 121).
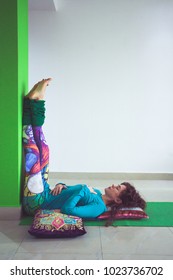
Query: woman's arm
(91, 209)
(58, 188)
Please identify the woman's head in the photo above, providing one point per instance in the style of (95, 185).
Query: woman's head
(113, 193)
(124, 195)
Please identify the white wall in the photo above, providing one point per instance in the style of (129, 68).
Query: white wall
(109, 107)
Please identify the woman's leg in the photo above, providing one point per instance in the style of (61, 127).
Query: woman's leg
(33, 185)
(43, 151)
(36, 149)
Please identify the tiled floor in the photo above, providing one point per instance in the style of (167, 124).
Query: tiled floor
(112, 243)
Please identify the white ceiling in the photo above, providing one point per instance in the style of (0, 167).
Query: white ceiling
(43, 5)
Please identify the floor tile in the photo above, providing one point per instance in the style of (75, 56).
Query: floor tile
(136, 257)
(60, 256)
(7, 256)
(7, 245)
(86, 244)
(13, 231)
(137, 240)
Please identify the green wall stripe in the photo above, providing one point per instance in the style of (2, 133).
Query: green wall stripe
(13, 84)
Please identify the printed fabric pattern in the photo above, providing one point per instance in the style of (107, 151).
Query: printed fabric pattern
(51, 223)
(36, 153)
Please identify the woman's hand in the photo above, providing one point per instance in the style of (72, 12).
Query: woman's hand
(58, 189)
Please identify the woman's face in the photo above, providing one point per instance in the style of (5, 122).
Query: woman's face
(114, 191)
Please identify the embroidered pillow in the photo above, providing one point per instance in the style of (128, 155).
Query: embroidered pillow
(125, 213)
(51, 223)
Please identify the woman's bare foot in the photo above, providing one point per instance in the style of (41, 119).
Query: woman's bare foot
(38, 91)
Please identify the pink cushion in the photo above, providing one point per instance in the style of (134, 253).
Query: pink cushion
(125, 213)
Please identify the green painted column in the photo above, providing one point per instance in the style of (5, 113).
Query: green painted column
(13, 85)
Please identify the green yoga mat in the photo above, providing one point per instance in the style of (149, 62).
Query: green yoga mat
(160, 215)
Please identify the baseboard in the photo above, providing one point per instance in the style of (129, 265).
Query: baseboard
(10, 213)
(107, 176)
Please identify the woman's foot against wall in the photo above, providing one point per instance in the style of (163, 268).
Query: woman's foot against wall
(39, 90)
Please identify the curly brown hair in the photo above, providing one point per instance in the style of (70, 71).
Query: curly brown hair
(130, 198)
